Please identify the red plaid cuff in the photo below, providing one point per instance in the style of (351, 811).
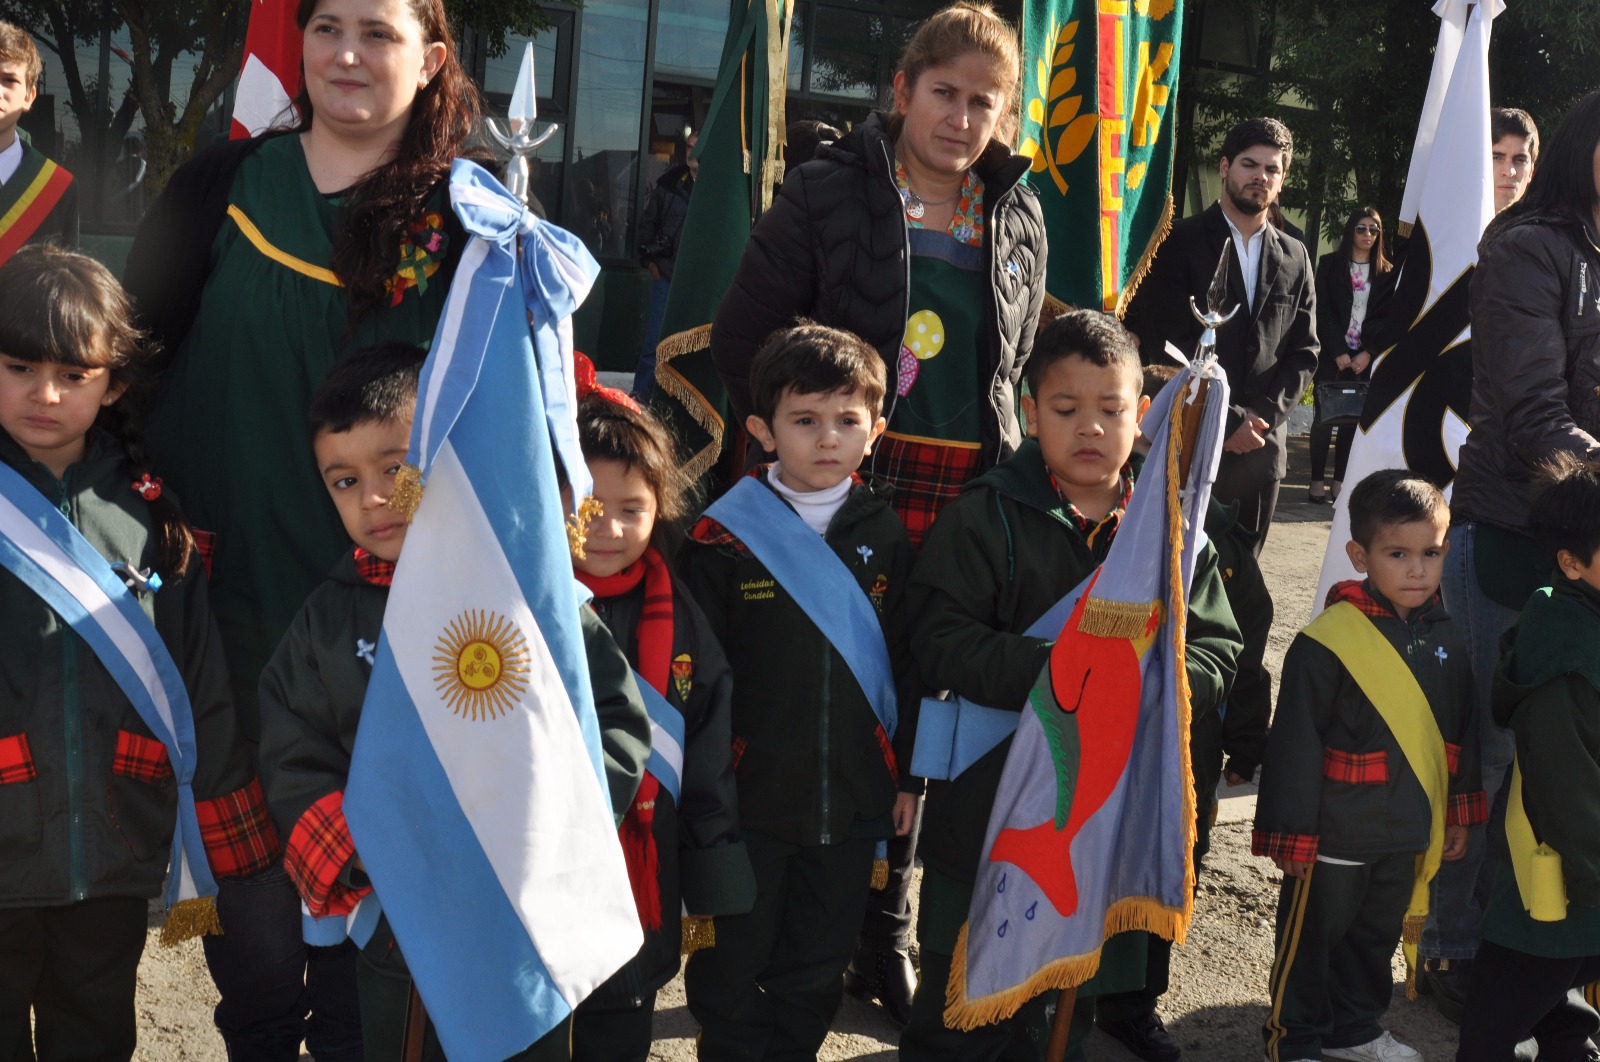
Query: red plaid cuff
(373, 569)
(237, 832)
(1452, 758)
(1355, 768)
(141, 758)
(1297, 846)
(319, 849)
(1467, 809)
(16, 760)
(886, 747)
(739, 745)
(205, 544)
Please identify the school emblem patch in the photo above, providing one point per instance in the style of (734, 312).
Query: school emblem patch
(683, 675)
(880, 586)
(480, 665)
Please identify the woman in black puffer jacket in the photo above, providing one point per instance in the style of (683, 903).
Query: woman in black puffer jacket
(914, 232)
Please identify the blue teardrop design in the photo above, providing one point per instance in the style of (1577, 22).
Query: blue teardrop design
(1003, 927)
(1032, 908)
(1002, 886)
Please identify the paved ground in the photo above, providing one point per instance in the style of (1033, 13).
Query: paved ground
(1219, 979)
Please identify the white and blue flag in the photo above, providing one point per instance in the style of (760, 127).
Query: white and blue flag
(477, 796)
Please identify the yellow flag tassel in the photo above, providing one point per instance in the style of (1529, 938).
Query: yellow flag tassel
(189, 919)
(699, 931)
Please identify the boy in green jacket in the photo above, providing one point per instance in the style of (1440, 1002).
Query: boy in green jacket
(1017, 540)
(1548, 692)
(1370, 777)
(313, 687)
(816, 755)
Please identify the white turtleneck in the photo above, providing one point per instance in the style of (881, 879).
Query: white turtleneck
(816, 507)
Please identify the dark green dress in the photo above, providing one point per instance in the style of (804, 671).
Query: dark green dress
(231, 434)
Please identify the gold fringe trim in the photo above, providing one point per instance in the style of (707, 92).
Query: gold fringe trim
(1140, 271)
(1411, 929)
(1052, 308)
(407, 492)
(1411, 980)
(189, 919)
(1403, 228)
(699, 933)
(1178, 616)
(880, 874)
(1115, 619)
(578, 525)
(675, 384)
(1129, 913)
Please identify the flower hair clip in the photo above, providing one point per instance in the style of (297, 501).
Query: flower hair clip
(148, 487)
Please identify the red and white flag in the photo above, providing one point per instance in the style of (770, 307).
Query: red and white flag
(271, 75)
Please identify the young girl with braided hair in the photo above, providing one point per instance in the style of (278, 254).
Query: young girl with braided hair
(91, 793)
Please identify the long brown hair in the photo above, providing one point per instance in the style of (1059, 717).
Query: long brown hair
(383, 203)
(952, 32)
(67, 309)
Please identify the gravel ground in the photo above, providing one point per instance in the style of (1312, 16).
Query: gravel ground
(1218, 996)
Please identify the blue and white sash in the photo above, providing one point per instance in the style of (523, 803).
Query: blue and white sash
(41, 547)
(954, 734)
(666, 738)
(818, 581)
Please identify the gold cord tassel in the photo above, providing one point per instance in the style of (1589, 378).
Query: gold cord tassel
(880, 874)
(578, 525)
(407, 492)
(699, 931)
(189, 919)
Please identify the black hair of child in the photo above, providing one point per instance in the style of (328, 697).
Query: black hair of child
(65, 308)
(610, 431)
(1157, 377)
(1392, 496)
(813, 359)
(373, 385)
(1098, 338)
(1564, 512)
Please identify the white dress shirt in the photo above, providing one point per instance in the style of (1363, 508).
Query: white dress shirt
(1249, 249)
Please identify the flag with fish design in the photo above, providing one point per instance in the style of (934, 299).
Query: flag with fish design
(1093, 824)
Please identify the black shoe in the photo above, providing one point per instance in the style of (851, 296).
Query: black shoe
(1447, 984)
(1146, 1037)
(884, 975)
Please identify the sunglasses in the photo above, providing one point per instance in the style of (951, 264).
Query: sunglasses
(1368, 230)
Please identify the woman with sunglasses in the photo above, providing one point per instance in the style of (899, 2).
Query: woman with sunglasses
(1345, 280)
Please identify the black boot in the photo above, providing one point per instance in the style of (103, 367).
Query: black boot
(885, 974)
(1446, 981)
(1145, 1036)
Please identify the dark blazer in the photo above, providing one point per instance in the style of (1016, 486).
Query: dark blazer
(1269, 352)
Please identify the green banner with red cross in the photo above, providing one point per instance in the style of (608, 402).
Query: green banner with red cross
(1099, 95)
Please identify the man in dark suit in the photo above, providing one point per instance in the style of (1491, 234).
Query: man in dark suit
(1269, 349)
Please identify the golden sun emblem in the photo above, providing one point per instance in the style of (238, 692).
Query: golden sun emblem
(479, 665)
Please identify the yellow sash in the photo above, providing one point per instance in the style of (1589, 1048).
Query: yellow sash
(1393, 690)
(1537, 866)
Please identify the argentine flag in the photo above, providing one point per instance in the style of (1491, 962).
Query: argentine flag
(477, 797)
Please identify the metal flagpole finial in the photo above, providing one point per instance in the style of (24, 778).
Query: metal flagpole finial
(1213, 318)
(518, 136)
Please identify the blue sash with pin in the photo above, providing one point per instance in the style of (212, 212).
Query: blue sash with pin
(813, 575)
(666, 738)
(42, 548)
(954, 734)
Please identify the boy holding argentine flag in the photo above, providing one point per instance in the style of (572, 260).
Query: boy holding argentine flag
(313, 689)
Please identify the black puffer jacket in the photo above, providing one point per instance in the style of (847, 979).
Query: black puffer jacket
(1535, 363)
(833, 247)
(661, 232)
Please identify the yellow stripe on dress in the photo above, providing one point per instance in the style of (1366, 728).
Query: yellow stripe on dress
(283, 258)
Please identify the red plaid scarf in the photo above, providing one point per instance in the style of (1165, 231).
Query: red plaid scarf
(655, 664)
(374, 569)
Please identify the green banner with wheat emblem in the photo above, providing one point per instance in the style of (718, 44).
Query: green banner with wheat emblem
(1099, 119)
